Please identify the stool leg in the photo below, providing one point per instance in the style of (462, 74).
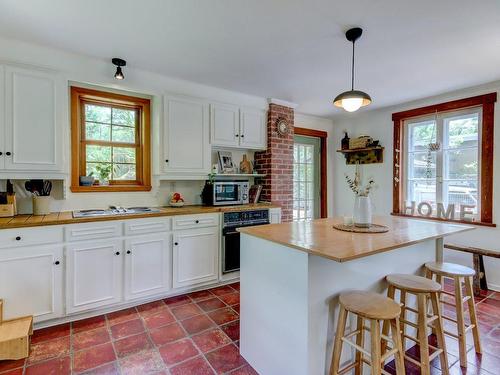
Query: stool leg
(337, 348)
(422, 333)
(439, 331)
(391, 291)
(396, 337)
(375, 347)
(403, 316)
(459, 306)
(472, 314)
(360, 341)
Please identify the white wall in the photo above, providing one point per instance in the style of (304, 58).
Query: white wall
(320, 123)
(378, 124)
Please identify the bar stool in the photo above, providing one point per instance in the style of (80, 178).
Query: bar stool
(458, 273)
(423, 289)
(375, 308)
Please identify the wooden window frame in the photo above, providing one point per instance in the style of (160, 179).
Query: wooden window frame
(322, 135)
(80, 96)
(487, 103)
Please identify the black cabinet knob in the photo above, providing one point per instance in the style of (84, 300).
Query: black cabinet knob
(57, 262)
(197, 221)
(236, 135)
(8, 153)
(176, 243)
(129, 252)
(243, 136)
(18, 238)
(166, 161)
(1, 153)
(117, 253)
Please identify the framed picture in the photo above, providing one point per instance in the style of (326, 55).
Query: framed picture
(226, 161)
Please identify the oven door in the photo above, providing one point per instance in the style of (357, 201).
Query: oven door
(230, 250)
(226, 193)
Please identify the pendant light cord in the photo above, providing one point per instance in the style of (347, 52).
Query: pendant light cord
(352, 68)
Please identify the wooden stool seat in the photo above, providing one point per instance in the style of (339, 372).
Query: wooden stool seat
(373, 308)
(370, 305)
(460, 275)
(413, 283)
(450, 269)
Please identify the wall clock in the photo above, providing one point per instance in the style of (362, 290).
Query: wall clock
(282, 127)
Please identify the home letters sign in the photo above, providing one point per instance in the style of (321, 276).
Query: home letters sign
(424, 209)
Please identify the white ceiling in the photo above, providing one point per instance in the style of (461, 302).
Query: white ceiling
(289, 49)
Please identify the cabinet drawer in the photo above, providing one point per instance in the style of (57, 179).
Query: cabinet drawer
(196, 221)
(149, 225)
(91, 231)
(30, 236)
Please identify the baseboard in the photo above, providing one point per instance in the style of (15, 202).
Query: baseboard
(494, 287)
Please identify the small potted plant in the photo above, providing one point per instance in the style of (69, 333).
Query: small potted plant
(104, 171)
(362, 214)
(208, 190)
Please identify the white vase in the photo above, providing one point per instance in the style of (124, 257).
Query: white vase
(362, 212)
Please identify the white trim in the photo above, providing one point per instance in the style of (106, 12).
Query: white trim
(283, 103)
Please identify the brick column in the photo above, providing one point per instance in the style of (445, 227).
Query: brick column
(277, 162)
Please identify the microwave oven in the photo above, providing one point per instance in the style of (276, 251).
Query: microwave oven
(227, 193)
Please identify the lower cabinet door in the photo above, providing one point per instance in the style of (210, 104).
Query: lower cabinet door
(147, 265)
(31, 282)
(195, 256)
(93, 274)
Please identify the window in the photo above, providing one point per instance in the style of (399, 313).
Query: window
(443, 160)
(110, 141)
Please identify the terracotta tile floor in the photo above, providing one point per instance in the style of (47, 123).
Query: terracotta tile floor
(194, 334)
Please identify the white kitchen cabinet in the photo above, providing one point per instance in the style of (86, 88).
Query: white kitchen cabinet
(231, 126)
(195, 256)
(33, 128)
(253, 128)
(275, 215)
(186, 142)
(147, 265)
(31, 281)
(93, 274)
(224, 125)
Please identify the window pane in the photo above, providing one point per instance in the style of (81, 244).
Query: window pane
(123, 134)
(309, 154)
(462, 130)
(97, 132)
(98, 153)
(123, 155)
(95, 167)
(461, 192)
(124, 117)
(421, 134)
(422, 165)
(421, 191)
(462, 164)
(310, 191)
(124, 172)
(97, 113)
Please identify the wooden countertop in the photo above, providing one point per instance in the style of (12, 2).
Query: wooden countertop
(318, 237)
(66, 217)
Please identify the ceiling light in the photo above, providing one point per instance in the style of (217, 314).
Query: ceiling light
(119, 63)
(354, 99)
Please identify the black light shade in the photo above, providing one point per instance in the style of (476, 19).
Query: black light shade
(119, 63)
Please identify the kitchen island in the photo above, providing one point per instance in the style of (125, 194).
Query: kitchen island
(292, 273)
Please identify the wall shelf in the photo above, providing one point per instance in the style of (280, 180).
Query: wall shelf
(368, 155)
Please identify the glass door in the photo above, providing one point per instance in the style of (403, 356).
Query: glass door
(306, 178)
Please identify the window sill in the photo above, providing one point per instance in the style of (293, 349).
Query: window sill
(445, 221)
(109, 188)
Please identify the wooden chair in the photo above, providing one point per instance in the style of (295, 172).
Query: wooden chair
(15, 336)
(424, 290)
(374, 308)
(459, 274)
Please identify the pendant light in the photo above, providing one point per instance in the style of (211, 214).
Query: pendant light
(354, 99)
(119, 63)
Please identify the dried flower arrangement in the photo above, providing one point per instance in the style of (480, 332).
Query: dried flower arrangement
(356, 184)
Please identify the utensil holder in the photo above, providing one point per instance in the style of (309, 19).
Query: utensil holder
(41, 205)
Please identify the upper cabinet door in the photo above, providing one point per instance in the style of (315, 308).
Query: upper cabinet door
(186, 144)
(2, 116)
(253, 128)
(32, 128)
(224, 125)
